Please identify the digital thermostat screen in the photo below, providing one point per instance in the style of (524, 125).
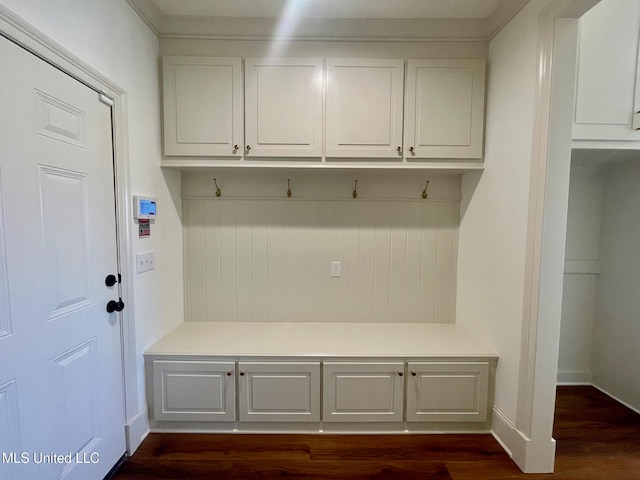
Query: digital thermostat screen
(144, 208)
(147, 207)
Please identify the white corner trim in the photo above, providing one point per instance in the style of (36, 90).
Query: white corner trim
(137, 430)
(617, 399)
(506, 434)
(530, 456)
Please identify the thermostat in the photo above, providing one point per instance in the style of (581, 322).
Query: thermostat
(144, 208)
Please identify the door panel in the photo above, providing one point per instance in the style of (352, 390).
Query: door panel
(203, 106)
(283, 114)
(194, 391)
(279, 392)
(364, 108)
(447, 392)
(363, 392)
(61, 351)
(444, 109)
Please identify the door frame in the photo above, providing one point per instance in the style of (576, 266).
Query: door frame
(25, 35)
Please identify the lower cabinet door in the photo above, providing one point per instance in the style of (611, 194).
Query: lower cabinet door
(363, 392)
(447, 392)
(194, 391)
(279, 391)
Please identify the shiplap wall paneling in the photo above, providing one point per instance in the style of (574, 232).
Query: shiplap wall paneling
(269, 260)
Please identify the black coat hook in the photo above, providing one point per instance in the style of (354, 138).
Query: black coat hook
(289, 193)
(218, 192)
(355, 190)
(424, 192)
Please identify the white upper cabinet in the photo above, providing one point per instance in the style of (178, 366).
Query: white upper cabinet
(283, 107)
(444, 109)
(202, 106)
(364, 108)
(362, 112)
(607, 90)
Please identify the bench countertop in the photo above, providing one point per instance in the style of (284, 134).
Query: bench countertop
(253, 339)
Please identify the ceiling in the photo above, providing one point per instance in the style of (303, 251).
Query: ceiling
(331, 8)
(364, 19)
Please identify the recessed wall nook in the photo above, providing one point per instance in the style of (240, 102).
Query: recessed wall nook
(321, 194)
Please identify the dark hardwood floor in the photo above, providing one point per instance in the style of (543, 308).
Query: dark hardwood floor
(598, 439)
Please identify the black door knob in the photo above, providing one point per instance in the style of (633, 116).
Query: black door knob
(114, 306)
(111, 280)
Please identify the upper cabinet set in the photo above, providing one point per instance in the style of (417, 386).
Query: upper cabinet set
(607, 107)
(323, 110)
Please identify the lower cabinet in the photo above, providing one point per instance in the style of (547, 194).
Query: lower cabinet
(447, 391)
(296, 391)
(363, 392)
(194, 391)
(279, 391)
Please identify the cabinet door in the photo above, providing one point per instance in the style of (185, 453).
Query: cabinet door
(202, 106)
(362, 392)
(447, 392)
(444, 109)
(607, 89)
(194, 391)
(283, 107)
(364, 108)
(279, 392)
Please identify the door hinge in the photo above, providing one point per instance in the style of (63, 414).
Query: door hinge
(106, 99)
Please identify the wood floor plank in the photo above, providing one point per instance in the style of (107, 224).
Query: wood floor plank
(340, 470)
(497, 469)
(597, 439)
(408, 447)
(206, 447)
(145, 469)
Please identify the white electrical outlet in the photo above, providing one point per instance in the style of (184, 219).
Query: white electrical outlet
(145, 262)
(336, 269)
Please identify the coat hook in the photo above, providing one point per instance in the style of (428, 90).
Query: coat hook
(424, 192)
(218, 192)
(355, 190)
(288, 187)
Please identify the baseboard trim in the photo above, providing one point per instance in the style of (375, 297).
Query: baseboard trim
(629, 406)
(530, 456)
(574, 378)
(136, 430)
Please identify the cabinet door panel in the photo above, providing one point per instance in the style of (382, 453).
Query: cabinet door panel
(447, 392)
(364, 108)
(279, 392)
(283, 107)
(444, 109)
(194, 391)
(607, 89)
(202, 106)
(362, 392)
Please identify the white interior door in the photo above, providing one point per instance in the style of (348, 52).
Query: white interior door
(61, 390)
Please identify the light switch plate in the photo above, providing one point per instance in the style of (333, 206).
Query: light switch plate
(145, 261)
(336, 269)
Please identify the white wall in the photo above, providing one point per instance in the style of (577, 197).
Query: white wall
(582, 256)
(495, 207)
(616, 336)
(110, 37)
(256, 255)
